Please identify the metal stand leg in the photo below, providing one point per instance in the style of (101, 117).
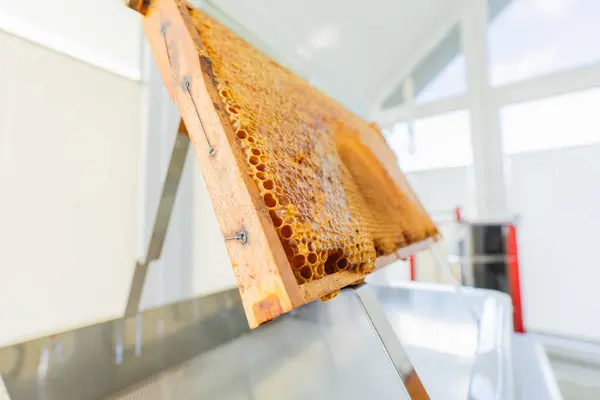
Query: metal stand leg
(161, 219)
(390, 342)
(3, 391)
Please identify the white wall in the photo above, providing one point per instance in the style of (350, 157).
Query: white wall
(441, 190)
(69, 140)
(83, 154)
(556, 193)
(102, 33)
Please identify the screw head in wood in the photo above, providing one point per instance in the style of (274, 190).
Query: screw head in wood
(242, 236)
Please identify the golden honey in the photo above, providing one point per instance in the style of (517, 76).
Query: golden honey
(334, 205)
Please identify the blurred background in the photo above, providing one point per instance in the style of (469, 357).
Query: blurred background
(493, 110)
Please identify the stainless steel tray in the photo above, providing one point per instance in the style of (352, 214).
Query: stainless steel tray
(202, 349)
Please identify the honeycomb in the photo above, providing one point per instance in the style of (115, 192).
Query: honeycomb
(332, 202)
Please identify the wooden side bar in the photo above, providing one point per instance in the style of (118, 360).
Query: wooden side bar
(264, 278)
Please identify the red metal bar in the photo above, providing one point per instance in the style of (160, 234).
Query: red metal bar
(457, 214)
(411, 263)
(514, 279)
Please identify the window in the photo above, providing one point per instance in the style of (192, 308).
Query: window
(555, 122)
(536, 37)
(441, 141)
(440, 74)
(450, 82)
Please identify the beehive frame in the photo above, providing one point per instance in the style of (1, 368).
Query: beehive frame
(264, 276)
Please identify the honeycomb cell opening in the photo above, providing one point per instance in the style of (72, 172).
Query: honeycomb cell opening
(275, 218)
(331, 262)
(298, 261)
(289, 250)
(342, 263)
(242, 134)
(262, 168)
(320, 270)
(270, 200)
(323, 256)
(287, 231)
(256, 152)
(254, 160)
(261, 176)
(226, 94)
(306, 272)
(312, 258)
(269, 185)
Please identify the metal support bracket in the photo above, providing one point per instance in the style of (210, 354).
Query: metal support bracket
(161, 219)
(390, 342)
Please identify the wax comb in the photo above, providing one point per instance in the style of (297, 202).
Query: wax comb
(308, 196)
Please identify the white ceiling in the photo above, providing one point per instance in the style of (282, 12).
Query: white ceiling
(104, 33)
(351, 49)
